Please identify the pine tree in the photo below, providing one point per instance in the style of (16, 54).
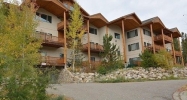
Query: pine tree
(75, 31)
(184, 46)
(110, 53)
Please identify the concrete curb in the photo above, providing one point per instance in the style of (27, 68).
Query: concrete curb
(180, 94)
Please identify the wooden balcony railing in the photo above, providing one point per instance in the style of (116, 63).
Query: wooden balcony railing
(94, 47)
(52, 61)
(178, 53)
(61, 25)
(166, 38)
(158, 47)
(49, 40)
(93, 67)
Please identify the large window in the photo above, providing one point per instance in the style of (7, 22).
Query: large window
(93, 30)
(133, 47)
(117, 36)
(132, 33)
(146, 32)
(43, 17)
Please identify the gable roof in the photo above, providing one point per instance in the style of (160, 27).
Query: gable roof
(176, 32)
(125, 17)
(98, 20)
(153, 20)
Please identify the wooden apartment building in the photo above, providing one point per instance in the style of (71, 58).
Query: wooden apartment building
(131, 35)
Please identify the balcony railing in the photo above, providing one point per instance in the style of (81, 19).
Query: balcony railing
(158, 47)
(166, 38)
(94, 47)
(178, 53)
(49, 40)
(92, 66)
(61, 25)
(52, 61)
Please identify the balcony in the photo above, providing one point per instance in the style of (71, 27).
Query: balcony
(94, 66)
(60, 25)
(178, 53)
(49, 40)
(159, 38)
(158, 47)
(52, 61)
(94, 47)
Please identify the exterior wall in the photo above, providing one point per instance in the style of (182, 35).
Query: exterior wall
(52, 29)
(147, 39)
(112, 29)
(137, 39)
(96, 39)
(168, 46)
(48, 27)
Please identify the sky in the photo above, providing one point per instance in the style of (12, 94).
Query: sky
(173, 13)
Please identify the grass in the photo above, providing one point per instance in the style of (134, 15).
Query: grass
(59, 97)
(122, 79)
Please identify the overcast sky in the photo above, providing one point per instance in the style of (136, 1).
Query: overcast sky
(173, 13)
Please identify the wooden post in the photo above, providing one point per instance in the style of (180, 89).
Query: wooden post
(141, 35)
(107, 29)
(124, 45)
(173, 49)
(152, 35)
(181, 52)
(88, 34)
(65, 45)
(163, 40)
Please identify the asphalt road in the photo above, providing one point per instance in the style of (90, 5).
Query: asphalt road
(153, 90)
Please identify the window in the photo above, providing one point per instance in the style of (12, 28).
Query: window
(148, 44)
(132, 33)
(146, 32)
(144, 44)
(43, 17)
(92, 58)
(133, 47)
(117, 36)
(93, 31)
(118, 53)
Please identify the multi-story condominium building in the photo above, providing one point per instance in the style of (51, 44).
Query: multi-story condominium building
(131, 35)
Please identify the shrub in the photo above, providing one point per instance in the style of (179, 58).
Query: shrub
(147, 59)
(163, 59)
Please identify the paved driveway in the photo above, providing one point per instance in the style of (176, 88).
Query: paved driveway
(154, 90)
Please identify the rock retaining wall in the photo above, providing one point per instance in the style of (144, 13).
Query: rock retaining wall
(129, 73)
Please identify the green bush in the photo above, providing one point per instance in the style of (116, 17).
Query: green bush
(147, 59)
(108, 67)
(163, 59)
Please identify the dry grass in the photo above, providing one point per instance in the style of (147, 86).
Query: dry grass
(53, 96)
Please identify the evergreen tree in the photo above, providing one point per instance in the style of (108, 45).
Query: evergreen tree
(184, 46)
(75, 31)
(176, 44)
(110, 53)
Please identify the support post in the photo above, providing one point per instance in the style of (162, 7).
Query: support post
(141, 35)
(65, 44)
(88, 34)
(163, 39)
(124, 45)
(152, 35)
(173, 50)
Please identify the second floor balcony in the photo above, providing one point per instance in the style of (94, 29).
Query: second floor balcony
(159, 38)
(94, 47)
(52, 61)
(178, 53)
(158, 47)
(49, 40)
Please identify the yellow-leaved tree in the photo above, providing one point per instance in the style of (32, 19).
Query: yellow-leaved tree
(19, 80)
(75, 31)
